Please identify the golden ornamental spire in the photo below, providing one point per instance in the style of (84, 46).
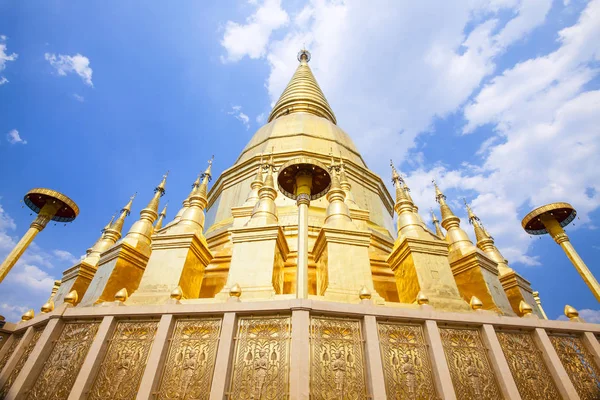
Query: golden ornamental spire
(203, 188)
(114, 232)
(338, 214)
(255, 185)
(142, 229)
(161, 217)
(486, 242)
(265, 211)
(193, 217)
(345, 185)
(436, 223)
(303, 94)
(444, 208)
(186, 202)
(88, 251)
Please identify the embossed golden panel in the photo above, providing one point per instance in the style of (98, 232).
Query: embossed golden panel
(10, 350)
(470, 369)
(63, 364)
(190, 362)
(261, 363)
(406, 365)
(37, 332)
(123, 366)
(527, 366)
(579, 364)
(337, 362)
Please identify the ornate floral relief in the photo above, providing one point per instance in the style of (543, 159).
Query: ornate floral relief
(260, 370)
(37, 332)
(527, 366)
(63, 364)
(10, 350)
(190, 361)
(121, 371)
(579, 364)
(406, 365)
(470, 369)
(337, 362)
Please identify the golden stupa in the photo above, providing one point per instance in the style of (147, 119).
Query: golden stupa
(288, 279)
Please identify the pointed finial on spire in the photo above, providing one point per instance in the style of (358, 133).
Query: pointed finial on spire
(161, 217)
(395, 176)
(304, 55)
(109, 223)
(472, 216)
(439, 196)
(207, 172)
(436, 223)
(127, 208)
(161, 186)
(203, 188)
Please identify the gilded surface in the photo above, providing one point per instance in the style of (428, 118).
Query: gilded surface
(470, 369)
(527, 366)
(121, 371)
(406, 365)
(260, 370)
(579, 364)
(10, 350)
(63, 365)
(17, 369)
(337, 362)
(191, 360)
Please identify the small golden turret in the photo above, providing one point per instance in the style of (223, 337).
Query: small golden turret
(192, 220)
(486, 243)
(28, 315)
(110, 234)
(573, 314)
(122, 295)
(186, 202)
(265, 211)
(346, 186)
(72, 298)
(177, 293)
(456, 237)
(161, 217)
(422, 299)
(364, 293)
(142, 229)
(409, 222)
(536, 297)
(88, 251)
(255, 185)
(338, 213)
(436, 223)
(475, 303)
(525, 309)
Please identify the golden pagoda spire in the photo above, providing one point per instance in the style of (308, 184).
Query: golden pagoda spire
(403, 202)
(88, 251)
(193, 217)
(113, 233)
(186, 202)
(303, 94)
(455, 235)
(338, 214)
(436, 223)
(345, 185)
(142, 229)
(265, 211)
(255, 185)
(161, 216)
(486, 243)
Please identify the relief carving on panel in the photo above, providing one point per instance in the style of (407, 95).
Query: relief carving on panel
(121, 371)
(37, 332)
(337, 362)
(10, 350)
(261, 366)
(63, 364)
(527, 366)
(189, 365)
(406, 365)
(579, 364)
(470, 369)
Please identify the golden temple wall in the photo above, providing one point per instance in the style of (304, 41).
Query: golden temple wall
(296, 349)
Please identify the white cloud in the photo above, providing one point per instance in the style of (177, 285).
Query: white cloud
(65, 64)
(591, 316)
(13, 137)
(78, 97)
(4, 57)
(33, 278)
(251, 39)
(12, 312)
(64, 255)
(236, 111)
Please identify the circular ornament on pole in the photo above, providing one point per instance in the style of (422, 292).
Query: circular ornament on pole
(37, 198)
(318, 172)
(563, 213)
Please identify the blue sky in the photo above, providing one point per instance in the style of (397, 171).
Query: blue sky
(496, 100)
